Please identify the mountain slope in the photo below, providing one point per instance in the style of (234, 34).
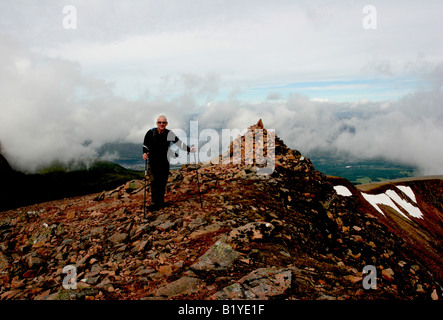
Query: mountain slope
(412, 209)
(287, 235)
(58, 181)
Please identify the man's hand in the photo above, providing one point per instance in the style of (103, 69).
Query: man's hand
(145, 156)
(193, 149)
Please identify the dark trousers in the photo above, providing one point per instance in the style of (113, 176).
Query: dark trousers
(159, 179)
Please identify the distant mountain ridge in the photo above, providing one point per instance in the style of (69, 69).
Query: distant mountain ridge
(5, 168)
(58, 181)
(358, 171)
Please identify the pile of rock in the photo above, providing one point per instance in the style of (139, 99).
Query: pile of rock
(256, 146)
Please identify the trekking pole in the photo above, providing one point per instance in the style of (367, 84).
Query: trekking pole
(198, 181)
(144, 195)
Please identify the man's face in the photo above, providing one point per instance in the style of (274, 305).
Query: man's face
(161, 124)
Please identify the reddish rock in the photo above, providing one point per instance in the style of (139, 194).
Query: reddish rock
(287, 235)
(29, 274)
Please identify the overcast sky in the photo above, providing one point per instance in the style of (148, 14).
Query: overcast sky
(336, 75)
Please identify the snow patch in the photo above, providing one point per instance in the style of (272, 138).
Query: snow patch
(342, 191)
(408, 191)
(376, 199)
(390, 198)
(409, 207)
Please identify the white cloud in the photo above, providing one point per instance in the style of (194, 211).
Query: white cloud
(49, 109)
(406, 131)
(131, 60)
(247, 42)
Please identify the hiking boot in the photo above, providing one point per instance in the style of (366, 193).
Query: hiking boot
(153, 207)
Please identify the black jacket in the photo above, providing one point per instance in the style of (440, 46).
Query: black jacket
(157, 144)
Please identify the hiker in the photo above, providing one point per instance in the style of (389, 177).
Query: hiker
(156, 148)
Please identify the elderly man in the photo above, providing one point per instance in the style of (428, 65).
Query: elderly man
(156, 148)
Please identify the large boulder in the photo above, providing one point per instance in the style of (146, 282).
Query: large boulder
(251, 232)
(219, 257)
(260, 284)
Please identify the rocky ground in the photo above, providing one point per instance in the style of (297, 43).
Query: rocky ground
(287, 235)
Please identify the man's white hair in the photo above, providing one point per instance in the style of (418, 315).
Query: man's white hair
(161, 116)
